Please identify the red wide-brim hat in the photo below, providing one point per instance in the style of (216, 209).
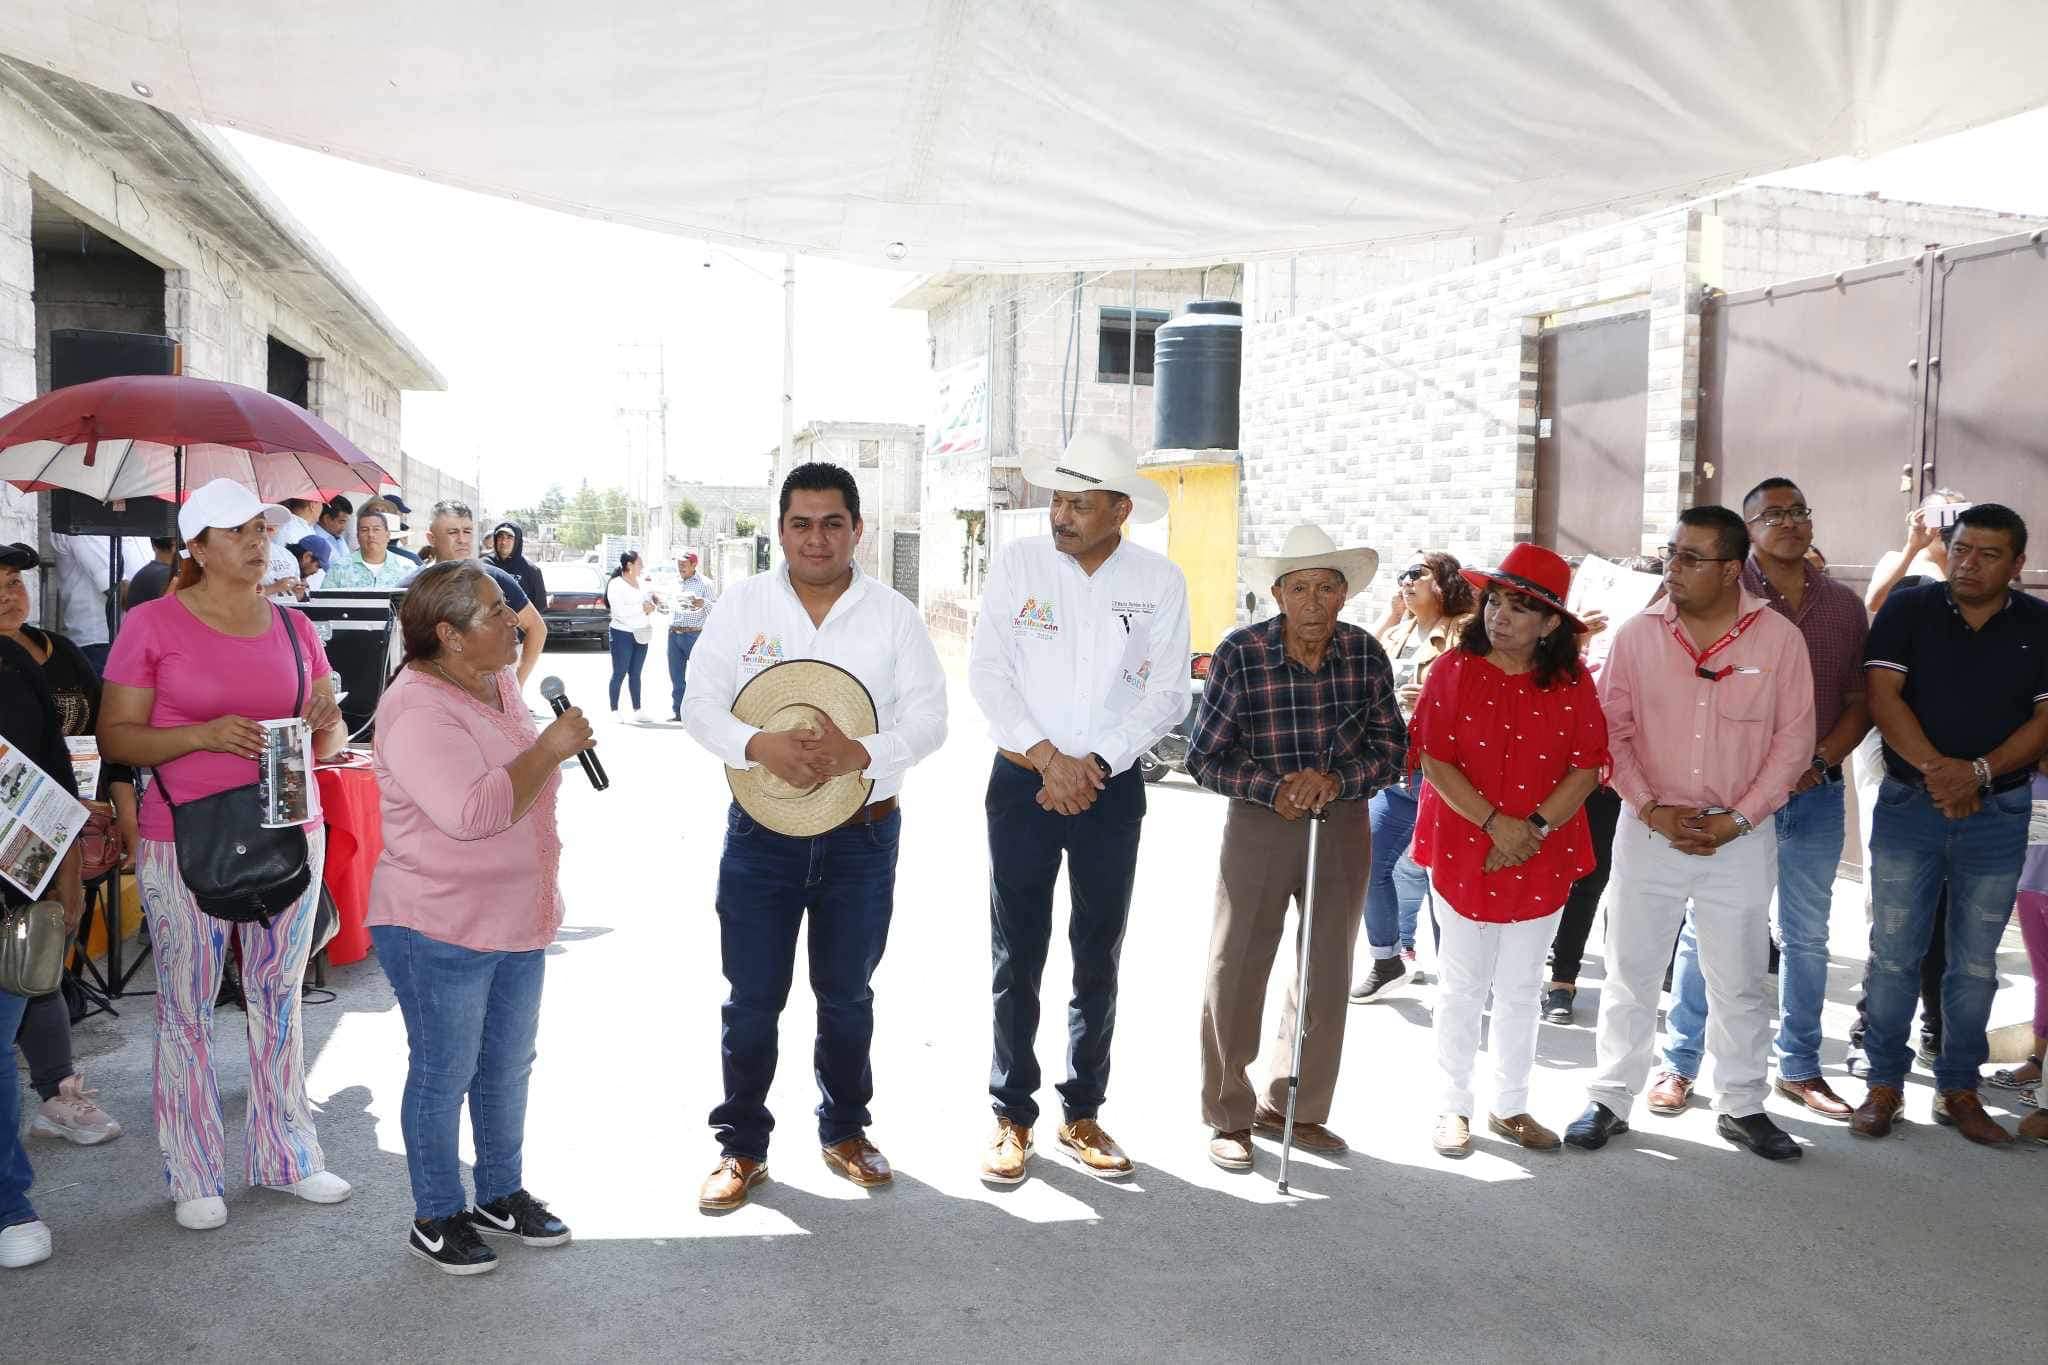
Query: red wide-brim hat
(1534, 572)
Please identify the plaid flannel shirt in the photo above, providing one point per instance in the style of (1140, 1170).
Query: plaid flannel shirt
(1263, 716)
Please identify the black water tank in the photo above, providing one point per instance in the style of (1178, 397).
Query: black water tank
(1198, 359)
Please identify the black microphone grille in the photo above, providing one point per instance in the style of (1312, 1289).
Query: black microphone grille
(551, 688)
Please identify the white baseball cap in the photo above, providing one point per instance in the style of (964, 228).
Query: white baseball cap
(224, 503)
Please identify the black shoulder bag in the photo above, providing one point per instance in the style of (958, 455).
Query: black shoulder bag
(235, 868)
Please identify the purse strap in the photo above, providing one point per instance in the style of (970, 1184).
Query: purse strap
(298, 679)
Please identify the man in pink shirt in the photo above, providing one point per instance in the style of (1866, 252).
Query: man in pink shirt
(1709, 703)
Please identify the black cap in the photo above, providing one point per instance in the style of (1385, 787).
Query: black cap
(19, 556)
(397, 502)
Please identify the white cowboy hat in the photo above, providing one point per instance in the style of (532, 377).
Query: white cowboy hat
(791, 696)
(1310, 547)
(1092, 461)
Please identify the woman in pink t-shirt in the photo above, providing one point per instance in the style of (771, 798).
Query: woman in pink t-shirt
(464, 905)
(186, 684)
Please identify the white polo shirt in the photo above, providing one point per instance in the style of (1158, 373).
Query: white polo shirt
(872, 631)
(1096, 663)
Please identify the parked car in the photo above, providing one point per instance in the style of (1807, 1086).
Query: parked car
(1170, 754)
(575, 609)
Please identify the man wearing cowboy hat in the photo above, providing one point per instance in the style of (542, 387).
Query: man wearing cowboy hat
(1298, 718)
(839, 874)
(1078, 664)
(1709, 703)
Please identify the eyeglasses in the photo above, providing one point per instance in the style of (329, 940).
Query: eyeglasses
(1686, 559)
(1783, 516)
(1411, 574)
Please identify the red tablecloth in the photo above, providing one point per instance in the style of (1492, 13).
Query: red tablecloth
(355, 840)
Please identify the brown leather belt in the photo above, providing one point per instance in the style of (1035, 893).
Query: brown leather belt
(686, 630)
(870, 814)
(1017, 759)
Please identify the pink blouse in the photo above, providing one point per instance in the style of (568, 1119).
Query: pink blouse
(457, 866)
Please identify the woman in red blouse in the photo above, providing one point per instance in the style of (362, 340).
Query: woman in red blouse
(1511, 740)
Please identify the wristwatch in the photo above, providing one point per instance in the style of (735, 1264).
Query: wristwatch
(1101, 765)
(1742, 825)
(1820, 765)
(1539, 824)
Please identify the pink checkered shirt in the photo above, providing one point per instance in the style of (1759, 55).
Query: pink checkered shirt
(1832, 620)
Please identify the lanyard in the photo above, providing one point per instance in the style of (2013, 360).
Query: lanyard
(1699, 657)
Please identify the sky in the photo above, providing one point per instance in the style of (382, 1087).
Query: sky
(546, 325)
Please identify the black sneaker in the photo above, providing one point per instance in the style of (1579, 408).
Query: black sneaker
(1386, 971)
(1557, 1004)
(519, 1215)
(452, 1245)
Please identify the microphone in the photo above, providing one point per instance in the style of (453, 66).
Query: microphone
(558, 698)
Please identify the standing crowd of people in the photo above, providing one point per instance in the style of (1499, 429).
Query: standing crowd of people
(1468, 756)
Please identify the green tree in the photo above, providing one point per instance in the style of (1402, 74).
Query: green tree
(744, 525)
(583, 520)
(690, 515)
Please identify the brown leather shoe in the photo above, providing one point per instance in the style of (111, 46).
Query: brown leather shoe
(1880, 1109)
(1310, 1137)
(1007, 1152)
(859, 1161)
(1816, 1096)
(1524, 1131)
(2034, 1127)
(726, 1188)
(1232, 1151)
(1668, 1093)
(1964, 1112)
(1095, 1149)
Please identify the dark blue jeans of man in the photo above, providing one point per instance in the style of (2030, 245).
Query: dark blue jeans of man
(680, 643)
(470, 1018)
(629, 656)
(1913, 847)
(845, 881)
(1025, 844)
(15, 1175)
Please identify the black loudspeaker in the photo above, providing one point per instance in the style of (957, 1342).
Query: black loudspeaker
(78, 356)
(74, 514)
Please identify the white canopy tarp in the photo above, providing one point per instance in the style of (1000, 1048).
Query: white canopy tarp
(1007, 134)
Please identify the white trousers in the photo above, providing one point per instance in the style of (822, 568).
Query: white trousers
(1729, 891)
(1507, 960)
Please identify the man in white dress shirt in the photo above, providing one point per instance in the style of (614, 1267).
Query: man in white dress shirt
(84, 575)
(817, 606)
(1080, 665)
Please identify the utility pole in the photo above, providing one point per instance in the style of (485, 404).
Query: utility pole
(788, 359)
(643, 415)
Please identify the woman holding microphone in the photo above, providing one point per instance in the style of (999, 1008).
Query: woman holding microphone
(464, 905)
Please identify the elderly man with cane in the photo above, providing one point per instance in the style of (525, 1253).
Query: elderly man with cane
(1298, 719)
(1079, 664)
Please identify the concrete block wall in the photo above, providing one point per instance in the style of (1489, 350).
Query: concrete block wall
(1406, 419)
(1771, 234)
(221, 315)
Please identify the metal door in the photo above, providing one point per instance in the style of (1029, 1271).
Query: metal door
(1819, 381)
(1988, 384)
(1592, 421)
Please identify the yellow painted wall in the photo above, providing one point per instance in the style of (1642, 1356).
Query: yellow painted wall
(1201, 537)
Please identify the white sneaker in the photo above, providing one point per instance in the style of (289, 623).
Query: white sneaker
(321, 1187)
(24, 1244)
(201, 1214)
(71, 1114)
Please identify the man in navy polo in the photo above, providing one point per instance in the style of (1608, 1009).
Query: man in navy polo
(1958, 678)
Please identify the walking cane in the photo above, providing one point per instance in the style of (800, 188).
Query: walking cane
(1308, 924)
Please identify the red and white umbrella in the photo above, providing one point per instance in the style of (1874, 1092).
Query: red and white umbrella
(137, 436)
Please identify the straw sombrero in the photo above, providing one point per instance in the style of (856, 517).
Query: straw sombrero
(791, 696)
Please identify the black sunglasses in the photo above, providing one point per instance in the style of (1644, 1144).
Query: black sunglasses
(1411, 573)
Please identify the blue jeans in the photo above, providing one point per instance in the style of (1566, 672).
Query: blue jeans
(629, 656)
(1913, 847)
(1025, 845)
(1810, 832)
(845, 881)
(470, 1018)
(15, 1175)
(680, 643)
(1394, 892)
